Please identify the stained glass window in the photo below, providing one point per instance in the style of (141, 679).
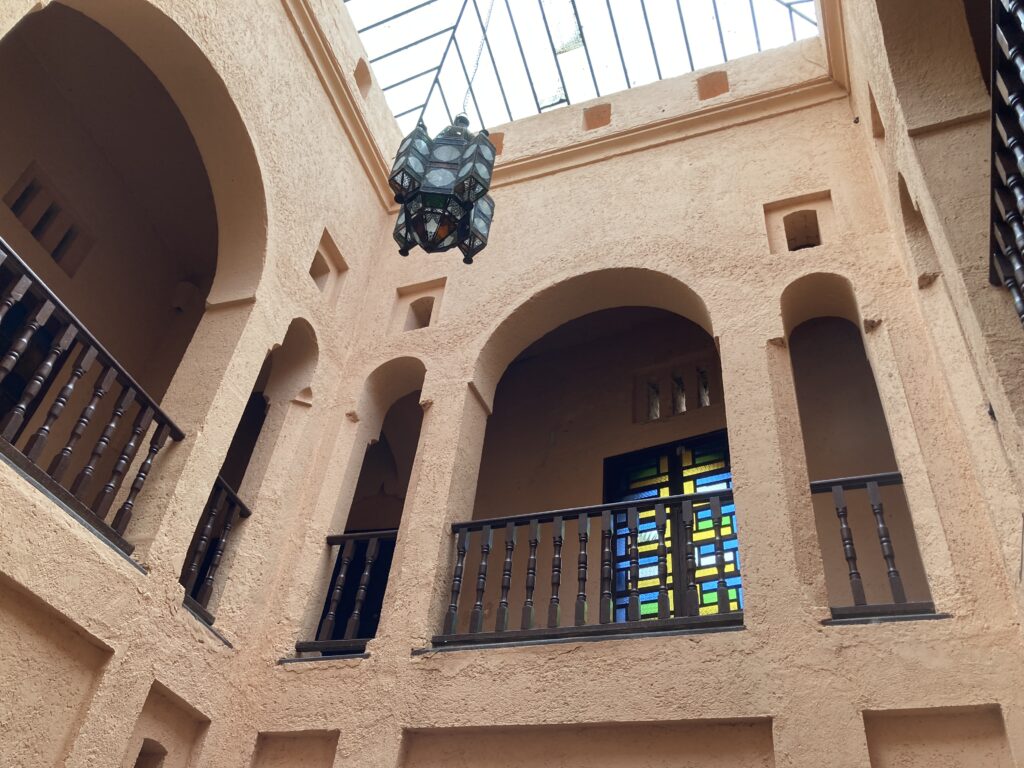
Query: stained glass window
(691, 466)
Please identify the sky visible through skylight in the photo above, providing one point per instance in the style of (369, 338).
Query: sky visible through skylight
(529, 75)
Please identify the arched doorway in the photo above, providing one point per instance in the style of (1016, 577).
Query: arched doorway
(119, 228)
(605, 485)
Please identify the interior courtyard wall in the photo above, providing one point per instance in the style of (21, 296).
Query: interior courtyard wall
(709, 234)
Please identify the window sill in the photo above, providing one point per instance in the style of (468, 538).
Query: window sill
(876, 614)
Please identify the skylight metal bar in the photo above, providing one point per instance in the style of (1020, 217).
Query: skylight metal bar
(718, 25)
(469, 83)
(440, 67)
(410, 45)
(650, 37)
(618, 45)
(398, 15)
(808, 19)
(490, 54)
(586, 50)
(522, 54)
(409, 79)
(686, 38)
(554, 53)
(753, 18)
(408, 111)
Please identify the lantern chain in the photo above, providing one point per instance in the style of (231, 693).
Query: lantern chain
(479, 53)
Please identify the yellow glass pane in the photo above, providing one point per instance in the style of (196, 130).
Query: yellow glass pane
(702, 572)
(687, 457)
(703, 535)
(663, 464)
(703, 468)
(688, 486)
(708, 610)
(648, 481)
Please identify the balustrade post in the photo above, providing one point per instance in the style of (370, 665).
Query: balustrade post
(81, 484)
(501, 620)
(476, 618)
(103, 384)
(531, 575)
(849, 551)
(12, 424)
(607, 604)
(632, 525)
(664, 609)
(156, 444)
(557, 537)
(28, 331)
(105, 497)
(206, 591)
(217, 500)
(344, 559)
(36, 443)
(583, 526)
(352, 627)
(885, 540)
(722, 589)
(690, 604)
(451, 617)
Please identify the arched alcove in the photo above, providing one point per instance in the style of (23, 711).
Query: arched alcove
(865, 530)
(271, 422)
(391, 417)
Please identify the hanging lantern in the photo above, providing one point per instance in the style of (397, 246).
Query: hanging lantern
(442, 186)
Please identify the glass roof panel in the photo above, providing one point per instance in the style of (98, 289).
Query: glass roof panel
(528, 56)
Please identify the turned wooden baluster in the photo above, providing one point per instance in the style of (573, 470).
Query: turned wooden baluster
(62, 460)
(28, 331)
(14, 294)
(690, 602)
(81, 484)
(451, 617)
(849, 551)
(531, 575)
(105, 497)
(557, 537)
(124, 514)
(36, 443)
(16, 417)
(633, 524)
(337, 588)
(716, 525)
(476, 618)
(664, 609)
(607, 604)
(209, 521)
(203, 598)
(1012, 138)
(501, 620)
(583, 529)
(352, 627)
(885, 540)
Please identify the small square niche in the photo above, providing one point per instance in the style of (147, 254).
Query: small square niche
(328, 268)
(796, 223)
(417, 305)
(597, 116)
(712, 84)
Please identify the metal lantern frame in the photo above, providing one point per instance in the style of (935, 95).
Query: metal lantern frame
(442, 185)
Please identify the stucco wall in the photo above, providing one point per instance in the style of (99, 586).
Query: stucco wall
(269, 100)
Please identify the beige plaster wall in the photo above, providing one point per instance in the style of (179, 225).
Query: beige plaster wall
(289, 151)
(948, 737)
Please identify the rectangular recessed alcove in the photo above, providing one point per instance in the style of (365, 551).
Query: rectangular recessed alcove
(799, 222)
(167, 733)
(597, 116)
(712, 84)
(943, 737)
(417, 305)
(686, 744)
(46, 685)
(290, 749)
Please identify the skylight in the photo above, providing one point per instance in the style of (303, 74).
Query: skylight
(539, 55)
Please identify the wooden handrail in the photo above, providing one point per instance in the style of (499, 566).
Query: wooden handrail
(857, 481)
(340, 538)
(590, 511)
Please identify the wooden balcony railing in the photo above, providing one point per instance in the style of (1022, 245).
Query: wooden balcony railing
(676, 572)
(1006, 266)
(39, 336)
(860, 608)
(199, 573)
(352, 608)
